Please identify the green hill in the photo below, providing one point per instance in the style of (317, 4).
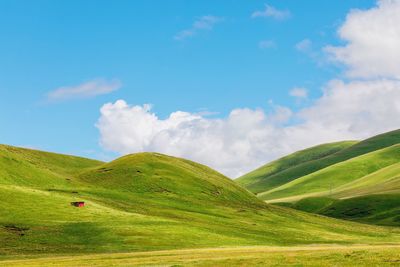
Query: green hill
(374, 209)
(324, 182)
(142, 202)
(270, 175)
(289, 174)
(374, 198)
(27, 167)
(343, 184)
(383, 181)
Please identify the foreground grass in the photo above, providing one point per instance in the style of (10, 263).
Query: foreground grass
(358, 255)
(146, 202)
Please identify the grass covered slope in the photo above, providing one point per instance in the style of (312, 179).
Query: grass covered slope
(27, 167)
(373, 209)
(363, 186)
(383, 181)
(325, 181)
(164, 177)
(358, 255)
(265, 178)
(146, 202)
(369, 145)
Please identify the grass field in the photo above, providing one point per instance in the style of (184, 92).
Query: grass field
(384, 181)
(268, 177)
(373, 209)
(329, 179)
(146, 202)
(358, 255)
(153, 209)
(263, 180)
(360, 182)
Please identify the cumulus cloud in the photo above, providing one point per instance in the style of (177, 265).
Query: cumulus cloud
(357, 109)
(372, 39)
(271, 12)
(202, 24)
(248, 138)
(85, 90)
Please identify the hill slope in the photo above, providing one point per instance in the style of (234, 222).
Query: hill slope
(308, 167)
(327, 180)
(27, 167)
(145, 202)
(384, 181)
(374, 209)
(267, 176)
(359, 183)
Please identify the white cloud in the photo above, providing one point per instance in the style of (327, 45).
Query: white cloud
(299, 93)
(304, 46)
(248, 138)
(272, 12)
(85, 90)
(356, 109)
(265, 44)
(202, 24)
(372, 41)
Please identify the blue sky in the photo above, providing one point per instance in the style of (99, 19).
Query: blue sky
(219, 67)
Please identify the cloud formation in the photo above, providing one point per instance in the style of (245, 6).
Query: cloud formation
(248, 138)
(204, 23)
(271, 12)
(85, 90)
(372, 38)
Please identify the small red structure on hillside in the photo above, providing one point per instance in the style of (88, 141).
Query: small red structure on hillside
(78, 204)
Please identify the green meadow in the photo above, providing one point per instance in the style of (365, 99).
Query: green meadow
(152, 203)
(360, 182)
(359, 255)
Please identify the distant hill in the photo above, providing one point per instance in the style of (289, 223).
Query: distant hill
(367, 170)
(382, 209)
(145, 201)
(290, 167)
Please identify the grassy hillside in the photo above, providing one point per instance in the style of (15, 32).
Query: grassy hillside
(145, 202)
(265, 178)
(164, 178)
(374, 209)
(358, 255)
(325, 181)
(359, 183)
(308, 167)
(27, 167)
(383, 181)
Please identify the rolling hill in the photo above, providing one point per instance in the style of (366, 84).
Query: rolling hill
(265, 182)
(381, 209)
(143, 202)
(327, 180)
(360, 183)
(270, 175)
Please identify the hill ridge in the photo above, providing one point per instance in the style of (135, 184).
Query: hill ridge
(170, 203)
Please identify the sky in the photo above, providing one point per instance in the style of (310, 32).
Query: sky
(230, 84)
